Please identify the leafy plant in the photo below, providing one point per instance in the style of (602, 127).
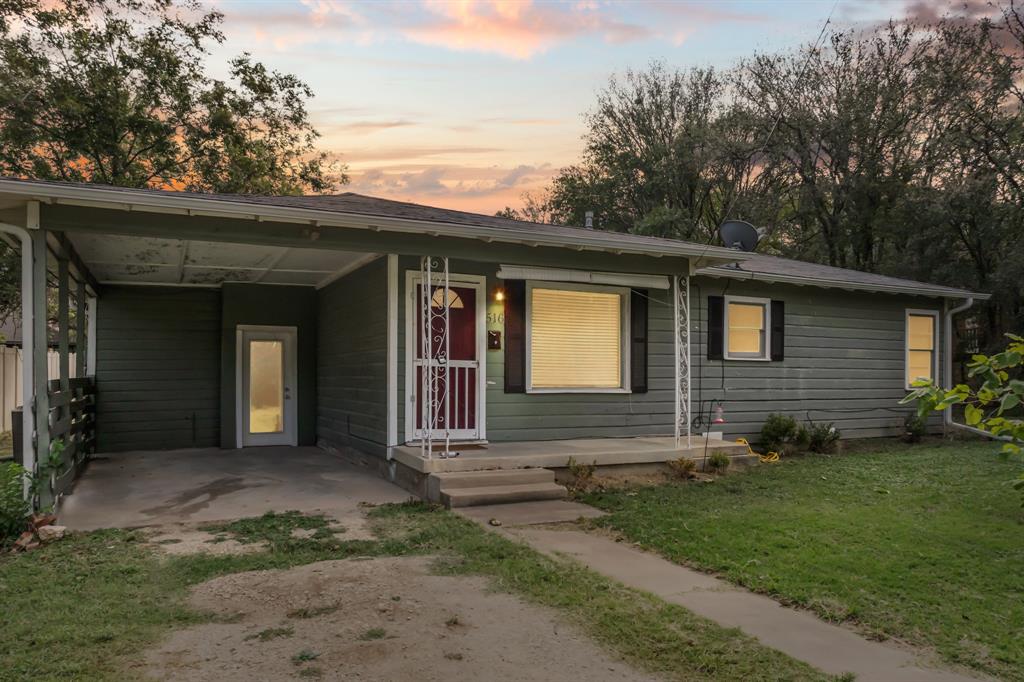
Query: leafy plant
(822, 438)
(684, 468)
(914, 428)
(719, 462)
(994, 407)
(14, 507)
(778, 431)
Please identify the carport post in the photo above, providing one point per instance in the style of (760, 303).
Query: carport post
(64, 318)
(81, 341)
(40, 378)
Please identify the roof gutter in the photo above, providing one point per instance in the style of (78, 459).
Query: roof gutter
(732, 273)
(168, 203)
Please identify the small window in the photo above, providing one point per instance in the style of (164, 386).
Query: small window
(920, 345)
(746, 325)
(575, 339)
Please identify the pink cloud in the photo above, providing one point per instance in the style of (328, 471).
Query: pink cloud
(514, 28)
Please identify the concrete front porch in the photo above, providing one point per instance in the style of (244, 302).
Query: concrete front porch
(146, 488)
(555, 454)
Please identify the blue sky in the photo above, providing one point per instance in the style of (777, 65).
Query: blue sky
(468, 103)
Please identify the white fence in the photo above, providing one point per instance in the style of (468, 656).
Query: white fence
(10, 379)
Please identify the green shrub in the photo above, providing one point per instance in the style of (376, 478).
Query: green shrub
(823, 437)
(718, 462)
(684, 467)
(14, 508)
(914, 428)
(778, 431)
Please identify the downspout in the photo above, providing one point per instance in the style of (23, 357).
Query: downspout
(947, 415)
(28, 416)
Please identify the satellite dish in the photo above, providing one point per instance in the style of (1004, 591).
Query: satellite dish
(739, 234)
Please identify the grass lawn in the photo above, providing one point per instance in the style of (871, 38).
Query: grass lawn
(923, 543)
(86, 607)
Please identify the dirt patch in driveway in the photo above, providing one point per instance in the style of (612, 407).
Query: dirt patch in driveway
(379, 619)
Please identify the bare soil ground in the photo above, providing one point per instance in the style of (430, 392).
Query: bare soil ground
(379, 619)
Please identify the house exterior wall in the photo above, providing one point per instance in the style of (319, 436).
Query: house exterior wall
(157, 368)
(844, 363)
(554, 416)
(272, 305)
(844, 360)
(352, 360)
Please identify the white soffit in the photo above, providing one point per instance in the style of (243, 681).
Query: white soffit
(117, 259)
(584, 277)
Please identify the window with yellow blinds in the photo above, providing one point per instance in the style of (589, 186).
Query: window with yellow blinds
(920, 346)
(746, 328)
(575, 339)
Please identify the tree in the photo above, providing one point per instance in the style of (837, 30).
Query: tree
(117, 92)
(536, 208)
(661, 156)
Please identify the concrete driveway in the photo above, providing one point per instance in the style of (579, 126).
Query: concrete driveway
(131, 489)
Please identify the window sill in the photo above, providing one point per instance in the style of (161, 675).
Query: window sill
(541, 391)
(733, 358)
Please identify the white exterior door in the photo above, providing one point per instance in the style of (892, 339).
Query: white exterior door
(267, 386)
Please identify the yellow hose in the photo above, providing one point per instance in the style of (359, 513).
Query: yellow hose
(769, 458)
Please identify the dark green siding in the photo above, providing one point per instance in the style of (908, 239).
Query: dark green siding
(271, 305)
(550, 416)
(844, 364)
(157, 368)
(352, 360)
(844, 360)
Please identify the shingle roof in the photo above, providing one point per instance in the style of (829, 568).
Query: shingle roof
(763, 267)
(751, 265)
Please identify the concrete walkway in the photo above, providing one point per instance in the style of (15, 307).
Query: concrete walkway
(830, 648)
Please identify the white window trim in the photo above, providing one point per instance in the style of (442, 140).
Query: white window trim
(479, 282)
(767, 303)
(624, 321)
(934, 314)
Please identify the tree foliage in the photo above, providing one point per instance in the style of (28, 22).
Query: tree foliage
(898, 151)
(995, 406)
(117, 91)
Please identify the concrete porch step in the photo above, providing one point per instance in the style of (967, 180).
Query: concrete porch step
(502, 494)
(477, 479)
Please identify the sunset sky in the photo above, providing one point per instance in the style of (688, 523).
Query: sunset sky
(467, 104)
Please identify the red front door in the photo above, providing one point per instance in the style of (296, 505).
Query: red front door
(455, 381)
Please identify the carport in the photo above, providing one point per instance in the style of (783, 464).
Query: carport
(133, 489)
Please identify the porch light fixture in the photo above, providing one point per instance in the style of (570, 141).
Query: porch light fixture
(499, 295)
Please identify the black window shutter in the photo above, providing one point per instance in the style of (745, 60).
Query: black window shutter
(515, 336)
(716, 320)
(638, 340)
(778, 330)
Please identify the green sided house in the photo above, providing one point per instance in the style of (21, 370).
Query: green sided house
(429, 343)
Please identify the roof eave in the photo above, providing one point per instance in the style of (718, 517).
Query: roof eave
(137, 200)
(923, 290)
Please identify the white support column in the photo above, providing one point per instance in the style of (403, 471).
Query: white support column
(37, 359)
(81, 341)
(91, 306)
(28, 420)
(64, 319)
(392, 354)
(681, 336)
